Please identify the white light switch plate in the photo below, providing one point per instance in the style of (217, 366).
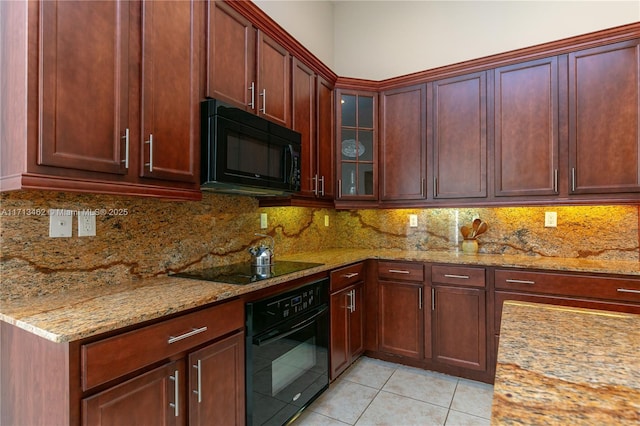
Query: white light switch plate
(550, 219)
(60, 223)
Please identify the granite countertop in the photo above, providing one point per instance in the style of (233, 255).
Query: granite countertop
(559, 365)
(77, 314)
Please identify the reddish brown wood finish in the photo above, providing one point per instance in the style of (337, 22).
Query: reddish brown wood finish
(116, 356)
(400, 318)
(325, 147)
(526, 129)
(401, 271)
(221, 384)
(273, 81)
(346, 276)
(171, 37)
(231, 65)
(403, 143)
(459, 327)
(145, 399)
(460, 137)
(303, 83)
(604, 132)
(458, 275)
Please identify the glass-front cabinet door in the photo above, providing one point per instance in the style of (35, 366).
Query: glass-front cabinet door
(357, 145)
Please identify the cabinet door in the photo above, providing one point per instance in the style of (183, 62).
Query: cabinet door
(304, 114)
(356, 321)
(526, 129)
(273, 80)
(170, 117)
(84, 106)
(216, 384)
(153, 398)
(403, 143)
(459, 327)
(460, 137)
(340, 357)
(604, 135)
(325, 152)
(400, 318)
(231, 54)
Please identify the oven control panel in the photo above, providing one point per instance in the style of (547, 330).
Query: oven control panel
(267, 312)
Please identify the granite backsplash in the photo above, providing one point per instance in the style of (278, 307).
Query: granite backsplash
(144, 237)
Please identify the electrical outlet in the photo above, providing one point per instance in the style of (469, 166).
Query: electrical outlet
(86, 224)
(326, 220)
(413, 220)
(550, 219)
(263, 221)
(60, 223)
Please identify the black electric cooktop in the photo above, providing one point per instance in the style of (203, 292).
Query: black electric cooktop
(244, 273)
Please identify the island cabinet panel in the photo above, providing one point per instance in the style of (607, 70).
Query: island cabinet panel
(604, 118)
(526, 128)
(403, 143)
(459, 128)
(84, 109)
(347, 317)
(151, 398)
(170, 103)
(231, 47)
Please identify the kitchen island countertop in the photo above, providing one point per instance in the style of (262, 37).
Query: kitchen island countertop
(559, 365)
(76, 314)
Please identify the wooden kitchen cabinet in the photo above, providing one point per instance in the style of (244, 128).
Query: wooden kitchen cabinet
(403, 143)
(357, 146)
(130, 69)
(400, 305)
(347, 317)
(246, 67)
(604, 119)
(459, 128)
(526, 130)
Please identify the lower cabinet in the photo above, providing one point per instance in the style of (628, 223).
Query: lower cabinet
(347, 317)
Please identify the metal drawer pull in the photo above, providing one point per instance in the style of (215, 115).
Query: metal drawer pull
(628, 290)
(315, 185)
(263, 94)
(252, 89)
(420, 298)
(126, 148)
(176, 390)
(150, 143)
(351, 275)
(433, 299)
(198, 392)
(322, 186)
(185, 335)
(399, 271)
(521, 282)
(462, 277)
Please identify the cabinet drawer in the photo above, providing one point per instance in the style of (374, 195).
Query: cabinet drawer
(458, 275)
(401, 271)
(343, 277)
(116, 356)
(625, 289)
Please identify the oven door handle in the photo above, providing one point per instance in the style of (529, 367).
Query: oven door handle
(299, 326)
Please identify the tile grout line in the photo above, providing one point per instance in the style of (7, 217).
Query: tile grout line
(376, 395)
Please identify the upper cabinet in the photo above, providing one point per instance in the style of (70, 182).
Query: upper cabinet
(246, 67)
(112, 98)
(526, 134)
(403, 143)
(604, 135)
(357, 148)
(460, 137)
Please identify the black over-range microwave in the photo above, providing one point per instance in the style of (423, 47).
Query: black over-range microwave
(246, 154)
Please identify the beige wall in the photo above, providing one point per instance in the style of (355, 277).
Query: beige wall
(383, 39)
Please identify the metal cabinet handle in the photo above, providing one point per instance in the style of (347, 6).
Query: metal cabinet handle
(573, 179)
(263, 94)
(521, 282)
(351, 275)
(315, 185)
(193, 332)
(628, 290)
(555, 181)
(198, 391)
(420, 298)
(433, 299)
(252, 89)
(350, 305)
(176, 390)
(398, 271)
(150, 142)
(435, 186)
(339, 188)
(353, 300)
(422, 182)
(126, 148)
(322, 186)
(461, 277)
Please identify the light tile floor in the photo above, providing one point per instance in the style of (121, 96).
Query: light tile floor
(374, 392)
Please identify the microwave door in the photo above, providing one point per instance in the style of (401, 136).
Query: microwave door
(284, 165)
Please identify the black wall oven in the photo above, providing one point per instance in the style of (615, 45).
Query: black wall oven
(243, 153)
(286, 353)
